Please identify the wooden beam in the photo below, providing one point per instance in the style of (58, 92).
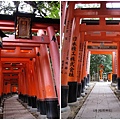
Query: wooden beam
(101, 52)
(9, 25)
(18, 60)
(89, 2)
(98, 44)
(11, 66)
(17, 55)
(96, 13)
(35, 40)
(86, 28)
(9, 44)
(10, 77)
(102, 38)
(11, 71)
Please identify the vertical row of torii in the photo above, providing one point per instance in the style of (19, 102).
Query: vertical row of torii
(81, 38)
(31, 67)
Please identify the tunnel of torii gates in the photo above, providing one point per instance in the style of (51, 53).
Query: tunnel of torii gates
(82, 37)
(27, 65)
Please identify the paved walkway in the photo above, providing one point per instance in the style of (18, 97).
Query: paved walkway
(15, 110)
(100, 104)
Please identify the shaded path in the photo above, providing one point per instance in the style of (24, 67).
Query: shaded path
(100, 104)
(15, 110)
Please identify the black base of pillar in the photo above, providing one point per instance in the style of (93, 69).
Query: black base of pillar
(52, 109)
(64, 96)
(38, 105)
(88, 78)
(118, 81)
(0, 100)
(29, 101)
(19, 95)
(58, 107)
(79, 89)
(114, 78)
(85, 81)
(72, 94)
(33, 101)
(26, 98)
(83, 85)
(22, 97)
(43, 108)
(4, 95)
(13, 93)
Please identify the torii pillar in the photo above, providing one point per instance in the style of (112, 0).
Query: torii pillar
(65, 54)
(50, 94)
(114, 67)
(0, 79)
(88, 67)
(118, 64)
(73, 62)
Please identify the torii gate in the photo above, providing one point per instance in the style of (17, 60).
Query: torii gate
(77, 37)
(26, 64)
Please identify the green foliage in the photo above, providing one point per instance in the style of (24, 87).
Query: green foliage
(50, 9)
(96, 60)
(44, 9)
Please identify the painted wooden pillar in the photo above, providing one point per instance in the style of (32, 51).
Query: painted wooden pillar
(63, 14)
(55, 58)
(36, 84)
(20, 86)
(88, 67)
(19, 90)
(73, 62)
(2, 87)
(28, 76)
(65, 54)
(101, 74)
(5, 88)
(50, 94)
(32, 97)
(8, 89)
(23, 72)
(14, 89)
(118, 64)
(0, 79)
(113, 62)
(84, 72)
(79, 70)
(41, 97)
(82, 44)
(33, 84)
(114, 67)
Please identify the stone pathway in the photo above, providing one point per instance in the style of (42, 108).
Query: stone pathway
(15, 110)
(100, 104)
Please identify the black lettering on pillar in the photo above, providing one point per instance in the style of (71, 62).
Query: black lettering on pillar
(62, 64)
(84, 53)
(87, 61)
(72, 57)
(67, 37)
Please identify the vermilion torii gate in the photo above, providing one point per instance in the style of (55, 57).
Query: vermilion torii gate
(79, 36)
(27, 66)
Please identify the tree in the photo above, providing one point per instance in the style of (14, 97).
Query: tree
(43, 9)
(96, 60)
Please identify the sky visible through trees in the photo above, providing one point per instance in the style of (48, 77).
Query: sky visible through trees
(43, 9)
